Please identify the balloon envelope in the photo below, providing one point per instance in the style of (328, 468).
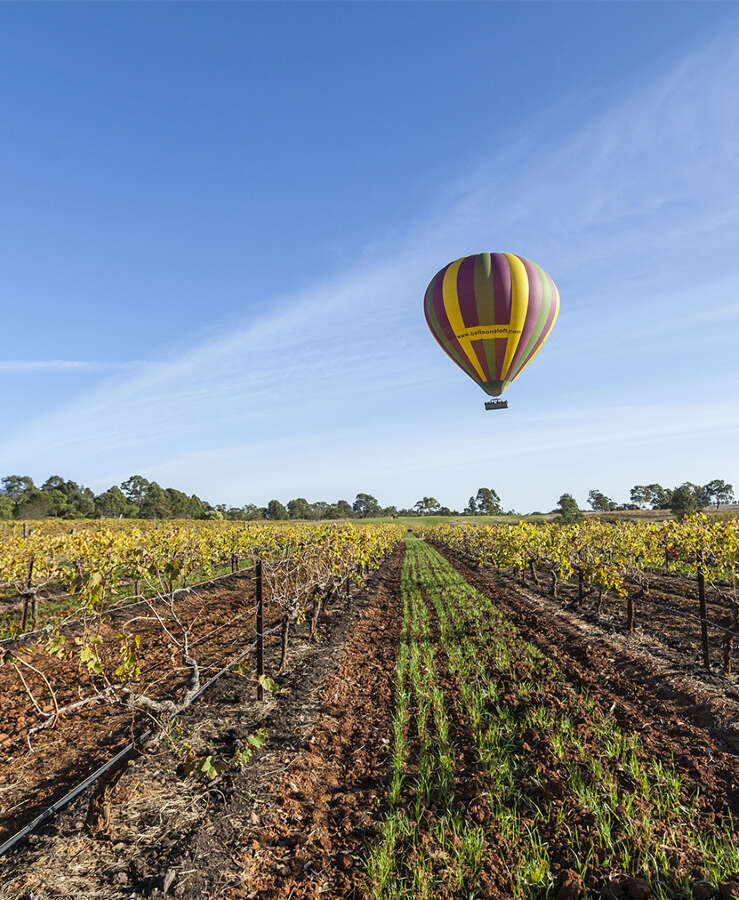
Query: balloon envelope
(491, 313)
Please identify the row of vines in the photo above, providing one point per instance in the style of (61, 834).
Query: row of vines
(619, 559)
(109, 669)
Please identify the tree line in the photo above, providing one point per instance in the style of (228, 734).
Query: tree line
(139, 498)
(683, 500)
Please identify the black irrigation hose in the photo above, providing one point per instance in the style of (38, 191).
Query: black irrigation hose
(129, 749)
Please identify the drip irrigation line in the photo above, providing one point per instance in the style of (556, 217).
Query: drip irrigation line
(128, 749)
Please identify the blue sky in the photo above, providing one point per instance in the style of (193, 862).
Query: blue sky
(217, 223)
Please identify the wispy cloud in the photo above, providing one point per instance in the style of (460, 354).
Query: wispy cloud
(64, 365)
(635, 215)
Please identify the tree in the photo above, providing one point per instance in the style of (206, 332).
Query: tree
(568, 508)
(344, 509)
(135, 488)
(427, 507)
(471, 508)
(179, 504)
(718, 492)
(155, 503)
(6, 507)
(33, 504)
(299, 508)
(112, 503)
(275, 510)
(685, 501)
(15, 486)
(659, 497)
(487, 502)
(365, 505)
(599, 502)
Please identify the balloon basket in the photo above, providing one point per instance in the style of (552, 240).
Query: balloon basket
(496, 404)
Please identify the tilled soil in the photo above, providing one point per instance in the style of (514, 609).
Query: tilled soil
(667, 614)
(37, 768)
(677, 717)
(320, 814)
(187, 837)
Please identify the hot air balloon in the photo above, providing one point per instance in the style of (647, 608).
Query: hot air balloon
(491, 313)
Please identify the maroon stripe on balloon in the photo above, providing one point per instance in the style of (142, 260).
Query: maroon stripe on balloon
(536, 294)
(479, 349)
(500, 348)
(549, 321)
(466, 292)
(445, 325)
(501, 274)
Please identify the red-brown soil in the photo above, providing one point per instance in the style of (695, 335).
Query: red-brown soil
(36, 769)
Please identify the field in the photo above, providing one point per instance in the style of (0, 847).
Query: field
(433, 721)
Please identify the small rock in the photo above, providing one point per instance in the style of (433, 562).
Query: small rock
(702, 890)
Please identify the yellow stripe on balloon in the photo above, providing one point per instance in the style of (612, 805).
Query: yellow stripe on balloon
(546, 334)
(454, 314)
(519, 307)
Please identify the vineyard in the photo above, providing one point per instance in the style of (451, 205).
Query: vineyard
(675, 579)
(77, 690)
(510, 710)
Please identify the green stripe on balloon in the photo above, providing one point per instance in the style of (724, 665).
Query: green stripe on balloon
(439, 334)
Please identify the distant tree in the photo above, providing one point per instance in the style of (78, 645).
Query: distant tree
(213, 514)
(33, 504)
(135, 488)
(178, 503)
(318, 510)
(344, 509)
(54, 483)
(444, 511)
(718, 492)
(659, 497)
(251, 511)
(599, 502)
(275, 510)
(685, 501)
(365, 505)
(487, 502)
(390, 511)
(298, 508)
(6, 507)
(113, 503)
(568, 508)
(639, 495)
(197, 507)
(471, 508)
(155, 503)
(15, 486)
(427, 506)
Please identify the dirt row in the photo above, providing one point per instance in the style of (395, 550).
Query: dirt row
(668, 613)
